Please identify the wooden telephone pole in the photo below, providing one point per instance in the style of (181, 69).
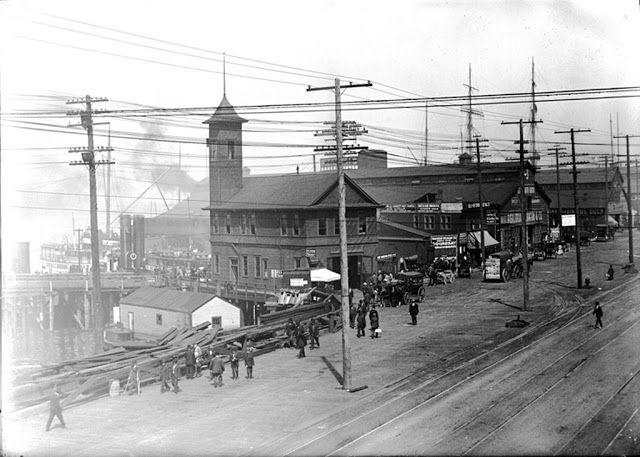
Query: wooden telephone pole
(88, 159)
(575, 172)
(342, 212)
(629, 204)
(524, 245)
(557, 150)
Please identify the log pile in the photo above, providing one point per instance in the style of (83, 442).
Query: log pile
(90, 377)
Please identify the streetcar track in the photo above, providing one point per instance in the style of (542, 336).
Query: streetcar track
(462, 381)
(424, 384)
(620, 431)
(549, 389)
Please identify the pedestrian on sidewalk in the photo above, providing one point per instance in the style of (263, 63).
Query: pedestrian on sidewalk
(55, 407)
(197, 354)
(314, 333)
(233, 361)
(361, 321)
(373, 320)
(165, 374)
(217, 368)
(610, 273)
(413, 311)
(190, 361)
(597, 311)
(290, 329)
(301, 340)
(249, 361)
(133, 380)
(175, 375)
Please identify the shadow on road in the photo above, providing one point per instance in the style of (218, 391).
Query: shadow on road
(332, 369)
(502, 302)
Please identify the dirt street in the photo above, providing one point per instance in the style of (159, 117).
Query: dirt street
(459, 381)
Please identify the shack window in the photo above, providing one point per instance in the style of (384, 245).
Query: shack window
(216, 320)
(322, 226)
(158, 319)
(245, 265)
(283, 224)
(253, 224)
(362, 225)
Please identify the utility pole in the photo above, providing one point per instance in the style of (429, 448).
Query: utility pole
(88, 158)
(534, 112)
(557, 148)
(107, 202)
(524, 245)
(611, 139)
(574, 172)
(480, 199)
(342, 212)
(629, 206)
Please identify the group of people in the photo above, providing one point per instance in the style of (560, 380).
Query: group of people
(358, 318)
(297, 333)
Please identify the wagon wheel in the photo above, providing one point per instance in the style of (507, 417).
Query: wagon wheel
(421, 293)
(505, 275)
(406, 297)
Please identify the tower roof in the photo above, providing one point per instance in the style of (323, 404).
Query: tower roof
(224, 113)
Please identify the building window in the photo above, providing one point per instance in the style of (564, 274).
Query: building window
(257, 266)
(429, 222)
(228, 227)
(445, 222)
(216, 264)
(244, 224)
(362, 225)
(322, 226)
(245, 265)
(265, 267)
(336, 226)
(231, 149)
(216, 320)
(158, 319)
(298, 262)
(215, 223)
(233, 264)
(296, 225)
(283, 224)
(415, 221)
(253, 224)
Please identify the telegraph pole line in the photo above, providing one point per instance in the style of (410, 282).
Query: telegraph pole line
(342, 212)
(557, 150)
(480, 199)
(88, 158)
(534, 113)
(426, 133)
(574, 172)
(524, 245)
(629, 206)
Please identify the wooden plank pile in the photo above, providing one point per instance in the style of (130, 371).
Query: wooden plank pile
(90, 377)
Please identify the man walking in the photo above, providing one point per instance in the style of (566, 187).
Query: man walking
(597, 311)
(314, 333)
(233, 361)
(373, 320)
(361, 321)
(249, 361)
(413, 311)
(217, 368)
(133, 380)
(55, 407)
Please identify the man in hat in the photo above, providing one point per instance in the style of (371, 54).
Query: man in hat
(217, 368)
(190, 361)
(597, 311)
(249, 361)
(413, 311)
(301, 340)
(234, 361)
(314, 334)
(55, 407)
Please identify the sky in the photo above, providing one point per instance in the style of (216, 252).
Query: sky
(50, 51)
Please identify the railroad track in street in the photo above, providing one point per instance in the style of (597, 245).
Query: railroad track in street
(405, 397)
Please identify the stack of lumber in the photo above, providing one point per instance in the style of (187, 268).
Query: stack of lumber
(90, 377)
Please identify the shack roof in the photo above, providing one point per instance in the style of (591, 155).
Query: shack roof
(167, 299)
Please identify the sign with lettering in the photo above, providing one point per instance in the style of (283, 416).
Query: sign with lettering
(451, 207)
(298, 282)
(568, 220)
(475, 205)
(310, 252)
(444, 241)
(515, 218)
(413, 208)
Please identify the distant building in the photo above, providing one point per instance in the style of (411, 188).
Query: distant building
(152, 311)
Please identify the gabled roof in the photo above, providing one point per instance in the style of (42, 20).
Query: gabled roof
(585, 175)
(225, 113)
(292, 192)
(166, 298)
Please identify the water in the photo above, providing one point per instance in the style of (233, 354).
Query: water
(47, 347)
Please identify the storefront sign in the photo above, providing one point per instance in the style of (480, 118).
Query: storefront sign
(515, 218)
(491, 217)
(444, 241)
(385, 258)
(298, 282)
(310, 252)
(451, 207)
(413, 208)
(568, 220)
(475, 205)
(462, 238)
(276, 273)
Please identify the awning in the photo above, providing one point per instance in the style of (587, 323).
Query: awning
(474, 240)
(324, 275)
(613, 222)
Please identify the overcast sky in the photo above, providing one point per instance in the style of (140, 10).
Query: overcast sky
(423, 47)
